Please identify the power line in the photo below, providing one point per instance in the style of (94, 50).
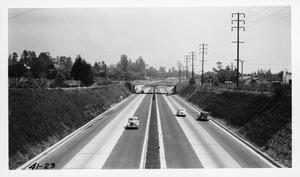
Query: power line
(252, 23)
(22, 13)
(269, 23)
(258, 12)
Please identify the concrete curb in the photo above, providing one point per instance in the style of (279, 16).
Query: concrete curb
(163, 164)
(145, 144)
(237, 137)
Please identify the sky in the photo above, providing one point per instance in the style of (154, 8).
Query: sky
(161, 35)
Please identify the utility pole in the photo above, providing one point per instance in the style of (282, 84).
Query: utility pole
(238, 39)
(182, 73)
(179, 71)
(193, 57)
(186, 59)
(242, 71)
(105, 70)
(202, 51)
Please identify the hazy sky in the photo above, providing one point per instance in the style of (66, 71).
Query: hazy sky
(161, 35)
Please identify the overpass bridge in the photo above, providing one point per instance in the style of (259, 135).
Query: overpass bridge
(138, 87)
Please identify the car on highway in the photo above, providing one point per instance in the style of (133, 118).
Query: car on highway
(181, 112)
(133, 122)
(203, 116)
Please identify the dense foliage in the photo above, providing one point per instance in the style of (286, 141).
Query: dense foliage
(82, 71)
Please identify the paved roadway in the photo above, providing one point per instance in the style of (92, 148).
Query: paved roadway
(186, 143)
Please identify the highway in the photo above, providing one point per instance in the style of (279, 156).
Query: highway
(104, 143)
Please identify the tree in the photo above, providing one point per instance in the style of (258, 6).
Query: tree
(26, 58)
(82, 71)
(43, 66)
(112, 71)
(162, 71)
(123, 66)
(13, 59)
(16, 70)
(10, 59)
(96, 68)
(152, 72)
(224, 74)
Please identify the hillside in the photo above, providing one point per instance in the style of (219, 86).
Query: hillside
(263, 120)
(40, 118)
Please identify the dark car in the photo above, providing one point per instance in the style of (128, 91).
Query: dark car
(203, 116)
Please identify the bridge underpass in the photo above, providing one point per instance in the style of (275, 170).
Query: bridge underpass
(169, 88)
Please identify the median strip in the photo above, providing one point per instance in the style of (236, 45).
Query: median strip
(163, 164)
(153, 152)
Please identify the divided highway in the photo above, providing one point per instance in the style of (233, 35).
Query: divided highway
(104, 143)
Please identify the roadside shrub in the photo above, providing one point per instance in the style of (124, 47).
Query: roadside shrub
(192, 81)
(129, 86)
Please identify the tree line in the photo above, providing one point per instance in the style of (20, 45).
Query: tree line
(44, 66)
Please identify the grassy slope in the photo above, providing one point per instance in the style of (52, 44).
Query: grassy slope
(263, 120)
(39, 118)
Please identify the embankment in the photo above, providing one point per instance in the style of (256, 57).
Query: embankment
(40, 118)
(264, 120)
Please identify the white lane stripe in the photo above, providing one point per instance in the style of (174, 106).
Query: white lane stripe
(163, 164)
(96, 152)
(244, 144)
(60, 143)
(209, 152)
(145, 144)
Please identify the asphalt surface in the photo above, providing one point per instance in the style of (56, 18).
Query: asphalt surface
(128, 150)
(178, 151)
(244, 156)
(64, 153)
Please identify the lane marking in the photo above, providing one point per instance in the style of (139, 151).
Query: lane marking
(96, 152)
(60, 143)
(242, 142)
(145, 144)
(209, 152)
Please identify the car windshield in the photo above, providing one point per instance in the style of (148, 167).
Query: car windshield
(181, 109)
(133, 118)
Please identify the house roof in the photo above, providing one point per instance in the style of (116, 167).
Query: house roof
(254, 77)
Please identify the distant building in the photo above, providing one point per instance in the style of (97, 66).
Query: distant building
(73, 83)
(286, 77)
(254, 80)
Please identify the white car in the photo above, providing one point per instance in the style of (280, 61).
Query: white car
(133, 122)
(181, 112)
